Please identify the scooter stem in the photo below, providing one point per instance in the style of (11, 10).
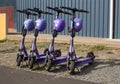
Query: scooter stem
(71, 48)
(51, 47)
(57, 15)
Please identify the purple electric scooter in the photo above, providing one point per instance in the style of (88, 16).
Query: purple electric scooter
(76, 25)
(28, 26)
(53, 57)
(35, 56)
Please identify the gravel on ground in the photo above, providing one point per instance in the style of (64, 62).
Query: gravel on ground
(105, 70)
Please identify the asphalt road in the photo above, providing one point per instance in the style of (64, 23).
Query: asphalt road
(17, 76)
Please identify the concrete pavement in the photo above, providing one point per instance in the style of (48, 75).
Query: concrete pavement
(17, 76)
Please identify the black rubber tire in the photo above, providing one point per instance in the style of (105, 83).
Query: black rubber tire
(45, 51)
(68, 62)
(71, 67)
(57, 53)
(48, 64)
(91, 54)
(29, 58)
(19, 60)
(31, 62)
(17, 57)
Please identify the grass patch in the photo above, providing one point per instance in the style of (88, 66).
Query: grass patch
(3, 41)
(109, 52)
(97, 48)
(28, 47)
(15, 48)
(62, 46)
(11, 41)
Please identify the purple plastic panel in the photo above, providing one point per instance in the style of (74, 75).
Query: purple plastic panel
(40, 24)
(59, 25)
(78, 24)
(29, 24)
(60, 59)
(41, 58)
(82, 61)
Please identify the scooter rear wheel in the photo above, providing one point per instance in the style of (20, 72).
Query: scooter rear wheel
(71, 67)
(91, 54)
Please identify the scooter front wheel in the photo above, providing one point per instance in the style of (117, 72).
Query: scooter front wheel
(46, 51)
(31, 62)
(71, 67)
(48, 64)
(19, 59)
(57, 53)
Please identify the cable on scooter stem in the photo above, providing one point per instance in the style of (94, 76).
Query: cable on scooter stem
(75, 9)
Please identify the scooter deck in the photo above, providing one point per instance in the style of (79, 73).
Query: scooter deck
(41, 58)
(82, 61)
(60, 59)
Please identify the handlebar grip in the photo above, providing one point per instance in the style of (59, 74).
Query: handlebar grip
(84, 11)
(20, 11)
(23, 11)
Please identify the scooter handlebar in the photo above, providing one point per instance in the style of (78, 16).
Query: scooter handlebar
(47, 13)
(75, 9)
(30, 9)
(26, 12)
(21, 11)
(51, 8)
(34, 14)
(39, 11)
(66, 13)
(58, 10)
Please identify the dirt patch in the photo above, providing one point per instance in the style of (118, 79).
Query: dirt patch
(105, 69)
